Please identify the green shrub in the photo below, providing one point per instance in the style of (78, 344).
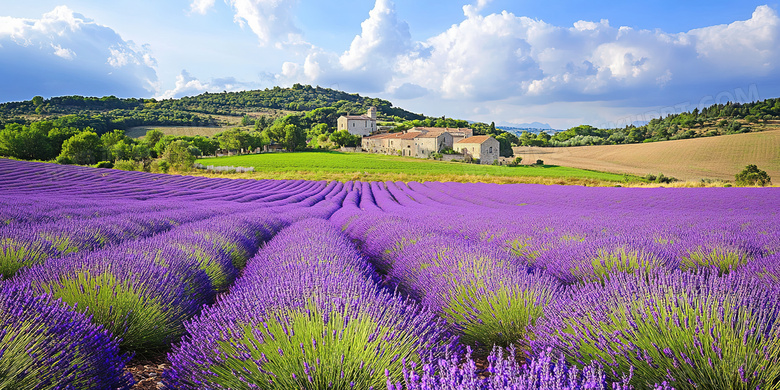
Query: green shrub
(751, 176)
(104, 164)
(63, 160)
(515, 162)
(160, 166)
(660, 178)
(128, 165)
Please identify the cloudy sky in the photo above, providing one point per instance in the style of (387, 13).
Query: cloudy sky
(562, 63)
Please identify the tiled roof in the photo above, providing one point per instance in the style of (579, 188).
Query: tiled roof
(394, 136)
(440, 129)
(357, 117)
(477, 139)
(379, 136)
(408, 136)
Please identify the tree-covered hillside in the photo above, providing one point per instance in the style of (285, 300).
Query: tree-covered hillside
(109, 112)
(718, 119)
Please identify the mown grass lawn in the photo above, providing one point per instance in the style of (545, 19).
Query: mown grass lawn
(363, 166)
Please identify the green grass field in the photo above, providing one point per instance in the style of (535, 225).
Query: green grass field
(362, 166)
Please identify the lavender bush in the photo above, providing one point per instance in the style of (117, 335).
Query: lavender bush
(44, 345)
(142, 302)
(691, 330)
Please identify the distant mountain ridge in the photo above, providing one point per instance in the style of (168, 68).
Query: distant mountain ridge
(532, 125)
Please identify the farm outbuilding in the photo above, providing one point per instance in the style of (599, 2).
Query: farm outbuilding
(482, 147)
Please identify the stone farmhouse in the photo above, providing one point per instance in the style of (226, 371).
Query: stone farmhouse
(421, 142)
(482, 147)
(361, 125)
(410, 144)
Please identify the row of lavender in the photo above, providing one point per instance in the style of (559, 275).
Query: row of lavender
(140, 292)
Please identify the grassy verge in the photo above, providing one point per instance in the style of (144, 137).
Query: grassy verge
(372, 167)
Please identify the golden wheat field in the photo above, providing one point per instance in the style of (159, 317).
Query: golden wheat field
(718, 158)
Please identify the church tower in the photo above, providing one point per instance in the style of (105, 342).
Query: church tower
(371, 112)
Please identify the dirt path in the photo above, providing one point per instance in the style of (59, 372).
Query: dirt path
(693, 159)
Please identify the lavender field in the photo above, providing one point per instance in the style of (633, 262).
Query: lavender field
(245, 284)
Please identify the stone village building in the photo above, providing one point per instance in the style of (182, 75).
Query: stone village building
(409, 144)
(422, 142)
(482, 147)
(419, 142)
(362, 125)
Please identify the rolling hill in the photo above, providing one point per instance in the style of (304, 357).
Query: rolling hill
(718, 158)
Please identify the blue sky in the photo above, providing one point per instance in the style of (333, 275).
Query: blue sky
(559, 62)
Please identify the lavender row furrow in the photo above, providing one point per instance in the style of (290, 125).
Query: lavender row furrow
(309, 314)
(143, 291)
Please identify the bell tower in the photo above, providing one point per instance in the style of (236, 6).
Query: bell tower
(371, 112)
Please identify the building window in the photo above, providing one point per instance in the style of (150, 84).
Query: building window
(490, 150)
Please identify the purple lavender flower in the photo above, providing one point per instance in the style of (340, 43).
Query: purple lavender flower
(45, 345)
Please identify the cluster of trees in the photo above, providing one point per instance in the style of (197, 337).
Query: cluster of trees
(73, 139)
(101, 114)
(730, 118)
(70, 145)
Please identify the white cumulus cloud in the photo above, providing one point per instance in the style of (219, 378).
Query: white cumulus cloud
(201, 6)
(382, 38)
(188, 85)
(369, 63)
(271, 21)
(64, 53)
(59, 51)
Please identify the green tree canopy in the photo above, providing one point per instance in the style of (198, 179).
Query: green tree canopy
(751, 176)
(25, 142)
(233, 139)
(58, 135)
(83, 148)
(152, 137)
(177, 155)
(344, 138)
(294, 137)
(505, 145)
